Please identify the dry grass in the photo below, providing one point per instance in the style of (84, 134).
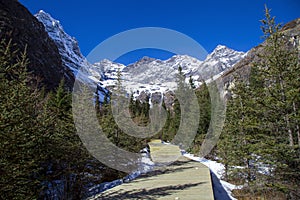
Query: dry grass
(246, 194)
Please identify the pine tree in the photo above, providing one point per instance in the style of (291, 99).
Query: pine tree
(41, 155)
(261, 122)
(238, 145)
(180, 79)
(205, 111)
(21, 137)
(279, 70)
(67, 156)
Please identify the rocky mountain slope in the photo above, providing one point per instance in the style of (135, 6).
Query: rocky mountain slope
(18, 24)
(69, 51)
(159, 76)
(243, 67)
(67, 45)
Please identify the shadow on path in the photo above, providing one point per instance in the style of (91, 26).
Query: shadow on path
(150, 194)
(179, 167)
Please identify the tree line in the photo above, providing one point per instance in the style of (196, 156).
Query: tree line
(139, 112)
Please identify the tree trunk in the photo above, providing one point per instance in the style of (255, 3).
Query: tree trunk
(290, 133)
(297, 124)
(287, 119)
(298, 135)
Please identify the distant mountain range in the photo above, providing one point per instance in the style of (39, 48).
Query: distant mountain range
(148, 74)
(53, 55)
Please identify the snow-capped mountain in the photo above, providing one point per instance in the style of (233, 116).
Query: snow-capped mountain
(154, 75)
(148, 74)
(26, 32)
(69, 50)
(221, 59)
(67, 45)
(109, 68)
(157, 71)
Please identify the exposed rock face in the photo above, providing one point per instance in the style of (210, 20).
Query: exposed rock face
(143, 97)
(67, 46)
(110, 69)
(169, 98)
(156, 98)
(18, 24)
(144, 61)
(71, 56)
(243, 67)
(220, 60)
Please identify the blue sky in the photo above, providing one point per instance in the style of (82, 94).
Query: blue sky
(231, 23)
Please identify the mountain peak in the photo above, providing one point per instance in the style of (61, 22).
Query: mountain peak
(222, 48)
(143, 61)
(67, 45)
(42, 12)
(47, 19)
(223, 51)
(181, 57)
(223, 58)
(105, 60)
(27, 33)
(146, 59)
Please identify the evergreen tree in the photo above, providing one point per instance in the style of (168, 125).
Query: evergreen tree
(180, 79)
(205, 111)
(241, 141)
(67, 157)
(279, 70)
(262, 119)
(21, 139)
(41, 155)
